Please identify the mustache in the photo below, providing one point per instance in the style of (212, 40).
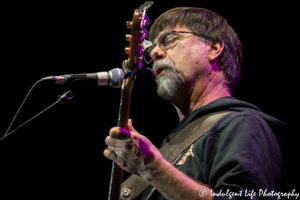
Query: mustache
(165, 64)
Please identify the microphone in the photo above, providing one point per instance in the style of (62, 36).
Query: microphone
(113, 78)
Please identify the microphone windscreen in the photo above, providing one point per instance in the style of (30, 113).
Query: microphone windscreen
(116, 77)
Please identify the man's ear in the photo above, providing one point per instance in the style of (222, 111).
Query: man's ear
(215, 51)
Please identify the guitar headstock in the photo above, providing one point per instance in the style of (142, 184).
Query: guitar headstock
(136, 38)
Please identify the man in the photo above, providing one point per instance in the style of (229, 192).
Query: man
(197, 58)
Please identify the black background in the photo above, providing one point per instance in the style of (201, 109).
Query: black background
(59, 154)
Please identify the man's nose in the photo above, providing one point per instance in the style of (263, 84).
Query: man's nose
(158, 53)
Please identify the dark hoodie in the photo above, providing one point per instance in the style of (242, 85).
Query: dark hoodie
(239, 157)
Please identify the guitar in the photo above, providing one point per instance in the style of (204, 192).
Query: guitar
(130, 66)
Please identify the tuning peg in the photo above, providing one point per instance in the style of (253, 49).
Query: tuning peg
(125, 65)
(140, 46)
(139, 61)
(128, 24)
(146, 20)
(140, 58)
(128, 37)
(127, 50)
(146, 33)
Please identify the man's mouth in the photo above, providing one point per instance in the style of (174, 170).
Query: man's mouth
(160, 69)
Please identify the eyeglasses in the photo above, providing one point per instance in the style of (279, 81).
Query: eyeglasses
(168, 40)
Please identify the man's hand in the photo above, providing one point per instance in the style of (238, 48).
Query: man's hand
(132, 151)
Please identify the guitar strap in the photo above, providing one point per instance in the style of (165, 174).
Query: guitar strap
(134, 185)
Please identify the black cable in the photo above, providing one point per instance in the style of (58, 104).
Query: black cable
(18, 111)
(65, 96)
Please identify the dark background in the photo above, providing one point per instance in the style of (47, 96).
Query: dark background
(59, 154)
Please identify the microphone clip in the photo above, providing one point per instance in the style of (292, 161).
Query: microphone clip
(67, 96)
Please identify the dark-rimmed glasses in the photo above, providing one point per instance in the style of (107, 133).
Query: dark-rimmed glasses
(168, 39)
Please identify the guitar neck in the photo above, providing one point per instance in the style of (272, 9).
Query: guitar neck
(134, 63)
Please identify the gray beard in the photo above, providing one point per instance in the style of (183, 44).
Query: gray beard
(168, 83)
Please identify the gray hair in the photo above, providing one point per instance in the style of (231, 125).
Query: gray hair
(213, 28)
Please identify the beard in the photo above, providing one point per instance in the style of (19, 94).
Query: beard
(169, 82)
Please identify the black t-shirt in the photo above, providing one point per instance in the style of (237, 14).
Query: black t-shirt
(239, 156)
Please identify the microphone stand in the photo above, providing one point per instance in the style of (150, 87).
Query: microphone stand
(66, 96)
